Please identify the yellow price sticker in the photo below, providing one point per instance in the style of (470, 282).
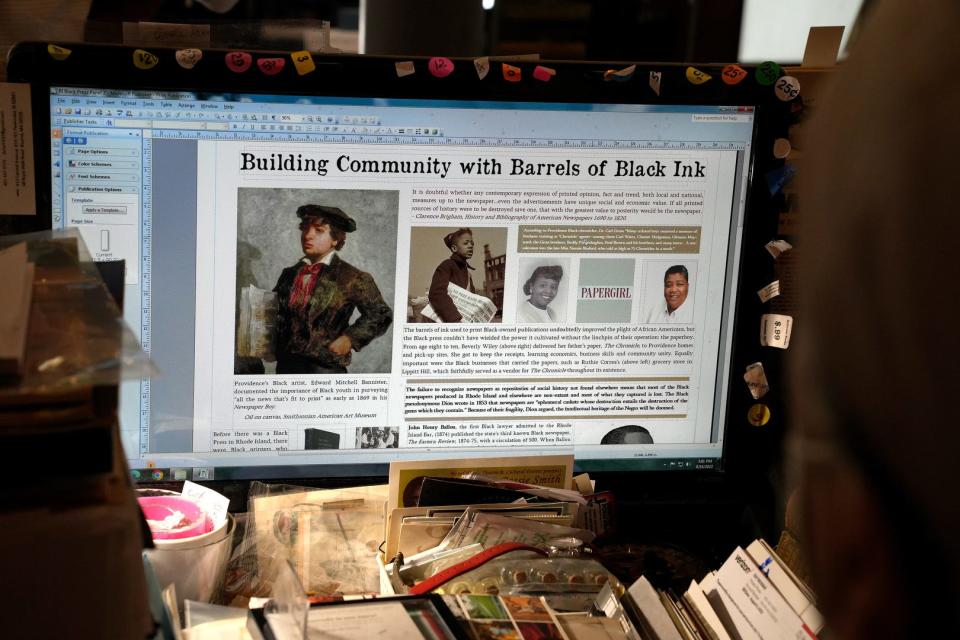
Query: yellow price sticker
(58, 53)
(303, 61)
(144, 59)
(695, 76)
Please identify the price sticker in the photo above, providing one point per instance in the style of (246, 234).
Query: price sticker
(238, 61)
(620, 75)
(58, 53)
(781, 148)
(188, 58)
(405, 68)
(777, 247)
(511, 73)
(756, 379)
(655, 77)
(303, 61)
(767, 73)
(775, 330)
(543, 74)
(271, 66)
(482, 65)
(733, 74)
(758, 415)
(787, 88)
(440, 67)
(770, 291)
(144, 59)
(695, 76)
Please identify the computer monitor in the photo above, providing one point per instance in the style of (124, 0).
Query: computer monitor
(506, 268)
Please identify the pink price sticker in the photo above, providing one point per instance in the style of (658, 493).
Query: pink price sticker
(271, 66)
(544, 74)
(238, 61)
(440, 67)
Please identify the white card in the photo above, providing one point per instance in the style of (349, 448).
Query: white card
(775, 330)
(772, 290)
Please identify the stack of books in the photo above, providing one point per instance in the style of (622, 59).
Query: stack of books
(753, 596)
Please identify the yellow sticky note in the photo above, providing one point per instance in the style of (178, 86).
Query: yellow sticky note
(303, 61)
(695, 76)
(144, 59)
(58, 53)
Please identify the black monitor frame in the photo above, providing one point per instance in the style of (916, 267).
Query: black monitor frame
(749, 452)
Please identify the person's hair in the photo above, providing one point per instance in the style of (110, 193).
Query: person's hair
(619, 435)
(677, 268)
(554, 272)
(451, 238)
(336, 232)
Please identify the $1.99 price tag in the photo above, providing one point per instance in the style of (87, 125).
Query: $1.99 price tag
(775, 330)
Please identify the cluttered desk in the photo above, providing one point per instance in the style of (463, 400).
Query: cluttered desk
(353, 399)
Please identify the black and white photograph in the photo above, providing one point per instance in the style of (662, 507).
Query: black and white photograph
(378, 438)
(544, 283)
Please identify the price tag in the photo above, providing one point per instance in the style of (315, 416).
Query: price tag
(238, 61)
(620, 75)
(781, 148)
(695, 76)
(775, 330)
(758, 415)
(767, 73)
(405, 68)
(58, 53)
(770, 291)
(655, 77)
(144, 59)
(756, 379)
(511, 73)
(303, 61)
(544, 74)
(188, 58)
(440, 67)
(271, 66)
(787, 88)
(777, 247)
(733, 74)
(482, 65)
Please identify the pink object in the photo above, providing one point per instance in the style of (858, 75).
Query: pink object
(238, 61)
(173, 517)
(440, 67)
(544, 73)
(271, 66)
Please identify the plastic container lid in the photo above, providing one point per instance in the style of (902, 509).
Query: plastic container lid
(174, 517)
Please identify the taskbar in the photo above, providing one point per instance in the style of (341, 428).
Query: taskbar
(209, 474)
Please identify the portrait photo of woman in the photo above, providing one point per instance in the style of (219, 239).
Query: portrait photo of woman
(543, 295)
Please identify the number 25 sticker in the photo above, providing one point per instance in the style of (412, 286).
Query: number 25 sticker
(787, 88)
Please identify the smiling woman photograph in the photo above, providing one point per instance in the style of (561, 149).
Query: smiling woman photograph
(670, 299)
(543, 294)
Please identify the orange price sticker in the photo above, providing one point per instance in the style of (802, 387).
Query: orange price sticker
(303, 61)
(733, 74)
(144, 59)
(511, 73)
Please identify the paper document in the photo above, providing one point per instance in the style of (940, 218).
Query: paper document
(258, 315)
(473, 307)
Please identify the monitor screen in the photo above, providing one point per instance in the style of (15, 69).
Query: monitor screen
(328, 284)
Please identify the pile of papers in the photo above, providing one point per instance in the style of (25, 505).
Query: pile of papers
(753, 596)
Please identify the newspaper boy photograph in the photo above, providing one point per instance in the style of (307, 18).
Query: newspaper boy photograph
(315, 280)
(456, 274)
